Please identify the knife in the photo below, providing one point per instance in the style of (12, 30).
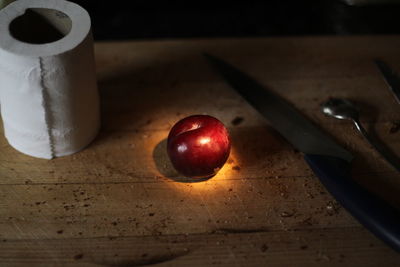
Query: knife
(391, 78)
(329, 161)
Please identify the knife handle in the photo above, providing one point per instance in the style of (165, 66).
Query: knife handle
(374, 213)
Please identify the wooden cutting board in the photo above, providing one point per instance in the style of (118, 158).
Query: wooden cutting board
(117, 203)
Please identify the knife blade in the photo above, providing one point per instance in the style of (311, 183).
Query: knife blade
(329, 161)
(391, 78)
(298, 130)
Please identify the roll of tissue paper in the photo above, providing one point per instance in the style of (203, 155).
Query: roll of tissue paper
(48, 94)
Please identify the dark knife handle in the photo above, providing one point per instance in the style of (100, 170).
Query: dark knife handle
(375, 214)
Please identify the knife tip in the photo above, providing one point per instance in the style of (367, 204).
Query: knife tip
(208, 56)
(378, 61)
(213, 60)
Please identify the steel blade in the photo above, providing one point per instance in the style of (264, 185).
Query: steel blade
(289, 122)
(391, 78)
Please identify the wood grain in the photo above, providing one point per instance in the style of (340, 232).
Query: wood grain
(120, 203)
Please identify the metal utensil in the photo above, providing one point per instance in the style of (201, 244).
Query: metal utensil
(343, 109)
(329, 161)
(391, 78)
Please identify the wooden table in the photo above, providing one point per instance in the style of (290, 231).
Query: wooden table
(117, 203)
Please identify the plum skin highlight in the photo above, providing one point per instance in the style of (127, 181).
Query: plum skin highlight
(198, 146)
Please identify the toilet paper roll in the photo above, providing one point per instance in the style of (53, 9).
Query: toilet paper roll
(48, 94)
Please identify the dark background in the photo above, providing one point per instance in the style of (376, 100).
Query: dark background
(141, 19)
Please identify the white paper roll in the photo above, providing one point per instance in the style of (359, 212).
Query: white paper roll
(48, 93)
